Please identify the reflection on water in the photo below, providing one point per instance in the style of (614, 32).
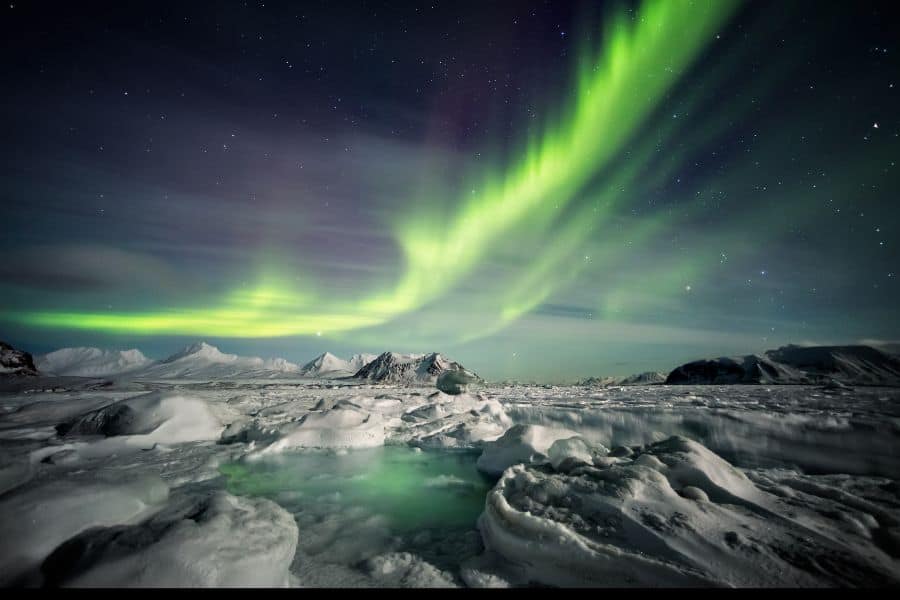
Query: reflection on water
(353, 505)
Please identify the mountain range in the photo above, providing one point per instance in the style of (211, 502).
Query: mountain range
(841, 365)
(204, 361)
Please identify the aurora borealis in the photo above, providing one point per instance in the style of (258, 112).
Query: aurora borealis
(540, 190)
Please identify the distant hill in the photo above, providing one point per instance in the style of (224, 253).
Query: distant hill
(850, 365)
(645, 378)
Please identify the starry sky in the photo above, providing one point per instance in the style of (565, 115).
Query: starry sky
(542, 190)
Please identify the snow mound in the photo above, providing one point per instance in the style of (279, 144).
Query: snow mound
(145, 420)
(36, 519)
(345, 426)
(456, 381)
(679, 515)
(245, 431)
(527, 444)
(566, 453)
(461, 422)
(218, 540)
(15, 362)
(91, 362)
(402, 569)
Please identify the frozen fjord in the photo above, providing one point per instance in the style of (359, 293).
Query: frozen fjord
(326, 483)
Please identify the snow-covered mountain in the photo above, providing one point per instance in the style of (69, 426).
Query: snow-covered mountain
(747, 369)
(202, 360)
(599, 381)
(329, 366)
(196, 361)
(15, 362)
(326, 365)
(391, 367)
(645, 378)
(851, 365)
(91, 362)
(358, 361)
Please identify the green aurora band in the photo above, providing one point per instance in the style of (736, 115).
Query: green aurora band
(617, 90)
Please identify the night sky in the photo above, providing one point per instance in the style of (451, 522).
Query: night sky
(540, 190)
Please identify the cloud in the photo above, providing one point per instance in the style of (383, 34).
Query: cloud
(83, 268)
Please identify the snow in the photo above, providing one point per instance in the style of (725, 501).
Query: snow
(527, 444)
(34, 521)
(343, 427)
(328, 365)
(456, 381)
(365, 483)
(682, 516)
(571, 451)
(139, 423)
(156, 417)
(402, 569)
(459, 422)
(217, 541)
(358, 361)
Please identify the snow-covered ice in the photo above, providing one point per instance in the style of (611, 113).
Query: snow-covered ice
(267, 481)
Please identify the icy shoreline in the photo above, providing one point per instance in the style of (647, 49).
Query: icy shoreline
(98, 479)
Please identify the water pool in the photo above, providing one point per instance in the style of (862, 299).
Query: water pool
(351, 506)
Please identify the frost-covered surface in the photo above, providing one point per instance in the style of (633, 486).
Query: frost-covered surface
(274, 482)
